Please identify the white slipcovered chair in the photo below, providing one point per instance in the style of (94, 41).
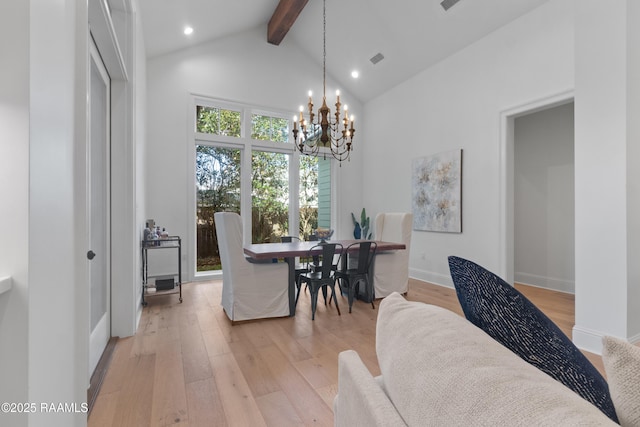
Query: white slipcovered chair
(249, 290)
(391, 269)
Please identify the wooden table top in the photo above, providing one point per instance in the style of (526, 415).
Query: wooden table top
(294, 249)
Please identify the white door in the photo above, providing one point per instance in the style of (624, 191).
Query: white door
(98, 208)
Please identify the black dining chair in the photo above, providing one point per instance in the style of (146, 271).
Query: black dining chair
(322, 277)
(316, 259)
(350, 278)
(299, 267)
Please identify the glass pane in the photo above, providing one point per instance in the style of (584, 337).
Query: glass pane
(315, 194)
(99, 195)
(230, 123)
(260, 127)
(269, 196)
(218, 189)
(280, 130)
(207, 120)
(217, 121)
(268, 128)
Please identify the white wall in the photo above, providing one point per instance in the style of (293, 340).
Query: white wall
(606, 126)
(14, 208)
(242, 68)
(140, 105)
(457, 104)
(44, 319)
(58, 314)
(544, 199)
(633, 173)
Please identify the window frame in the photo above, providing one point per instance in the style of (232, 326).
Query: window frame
(246, 145)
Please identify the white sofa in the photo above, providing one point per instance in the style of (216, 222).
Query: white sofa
(438, 369)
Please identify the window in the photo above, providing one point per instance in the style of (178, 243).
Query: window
(269, 196)
(245, 162)
(217, 190)
(218, 121)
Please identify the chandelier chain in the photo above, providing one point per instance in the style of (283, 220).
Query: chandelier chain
(324, 48)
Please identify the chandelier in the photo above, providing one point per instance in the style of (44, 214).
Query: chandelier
(322, 131)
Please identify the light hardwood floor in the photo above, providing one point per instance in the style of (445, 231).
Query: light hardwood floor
(187, 365)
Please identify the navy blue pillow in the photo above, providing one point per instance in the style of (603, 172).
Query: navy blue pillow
(510, 318)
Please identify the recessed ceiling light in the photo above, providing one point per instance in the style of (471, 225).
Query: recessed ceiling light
(188, 30)
(355, 74)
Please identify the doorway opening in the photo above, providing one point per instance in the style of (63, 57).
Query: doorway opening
(544, 212)
(537, 201)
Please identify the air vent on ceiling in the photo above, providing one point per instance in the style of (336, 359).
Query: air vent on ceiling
(448, 4)
(376, 58)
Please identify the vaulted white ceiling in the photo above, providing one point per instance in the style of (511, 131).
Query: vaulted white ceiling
(411, 34)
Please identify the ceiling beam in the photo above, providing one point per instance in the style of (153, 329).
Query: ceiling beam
(283, 18)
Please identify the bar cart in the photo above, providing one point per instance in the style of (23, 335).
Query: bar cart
(164, 284)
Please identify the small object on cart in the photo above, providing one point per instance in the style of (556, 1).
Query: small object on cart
(165, 283)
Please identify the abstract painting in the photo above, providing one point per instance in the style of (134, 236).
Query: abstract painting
(436, 184)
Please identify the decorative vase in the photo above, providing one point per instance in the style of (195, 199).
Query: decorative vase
(361, 229)
(357, 232)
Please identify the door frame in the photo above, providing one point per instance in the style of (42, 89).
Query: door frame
(115, 32)
(506, 161)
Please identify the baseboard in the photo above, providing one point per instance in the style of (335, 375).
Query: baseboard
(590, 340)
(100, 372)
(562, 285)
(431, 277)
(587, 339)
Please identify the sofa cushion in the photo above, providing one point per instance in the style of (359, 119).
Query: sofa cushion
(439, 369)
(360, 399)
(509, 317)
(622, 364)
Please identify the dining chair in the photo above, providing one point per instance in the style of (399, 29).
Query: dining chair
(352, 277)
(299, 267)
(320, 278)
(250, 290)
(391, 269)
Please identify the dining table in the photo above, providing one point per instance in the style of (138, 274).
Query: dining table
(290, 250)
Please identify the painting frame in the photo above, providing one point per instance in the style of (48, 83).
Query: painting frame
(436, 192)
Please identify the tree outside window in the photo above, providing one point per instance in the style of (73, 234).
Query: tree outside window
(218, 190)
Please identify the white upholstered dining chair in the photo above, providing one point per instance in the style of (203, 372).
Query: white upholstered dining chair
(249, 290)
(391, 269)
